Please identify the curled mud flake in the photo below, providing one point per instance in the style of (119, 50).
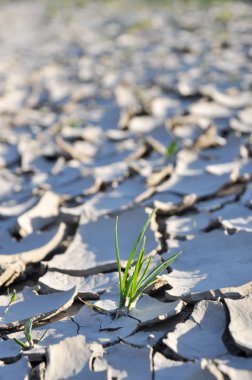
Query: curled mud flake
(164, 367)
(201, 335)
(128, 361)
(31, 250)
(10, 371)
(30, 305)
(41, 215)
(240, 319)
(59, 363)
(197, 271)
(150, 311)
(88, 254)
(235, 367)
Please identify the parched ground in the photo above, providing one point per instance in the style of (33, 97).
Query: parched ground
(116, 108)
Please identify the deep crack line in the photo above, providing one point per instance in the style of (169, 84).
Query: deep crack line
(77, 324)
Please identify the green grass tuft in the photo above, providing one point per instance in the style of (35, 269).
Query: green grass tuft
(12, 299)
(28, 336)
(171, 149)
(134, 280)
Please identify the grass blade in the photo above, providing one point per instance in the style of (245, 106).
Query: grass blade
(95, 307)
(22, 344)
(171, 149)
(133, 251)
(28, 332)
(12, 299)
(162, 266)
(151, 277)
(149, 259)
(138, 267)
(118, 255)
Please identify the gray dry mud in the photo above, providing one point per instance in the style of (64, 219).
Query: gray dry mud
(92, 98)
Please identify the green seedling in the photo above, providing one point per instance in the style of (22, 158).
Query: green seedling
(134, 281)
(224, 16)
(28, 336)
(12, 298)
(144, 24)
(73, 123)
(171, 149)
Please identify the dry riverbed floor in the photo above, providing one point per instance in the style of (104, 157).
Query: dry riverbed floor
(111, 109)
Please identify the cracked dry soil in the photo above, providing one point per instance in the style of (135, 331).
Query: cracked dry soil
(114, 108)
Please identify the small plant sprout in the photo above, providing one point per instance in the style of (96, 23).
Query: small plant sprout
(12, 298)
(171, 149)
(28, 336)
(134, 280)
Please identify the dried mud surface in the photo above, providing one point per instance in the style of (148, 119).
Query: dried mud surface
(111, 109)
